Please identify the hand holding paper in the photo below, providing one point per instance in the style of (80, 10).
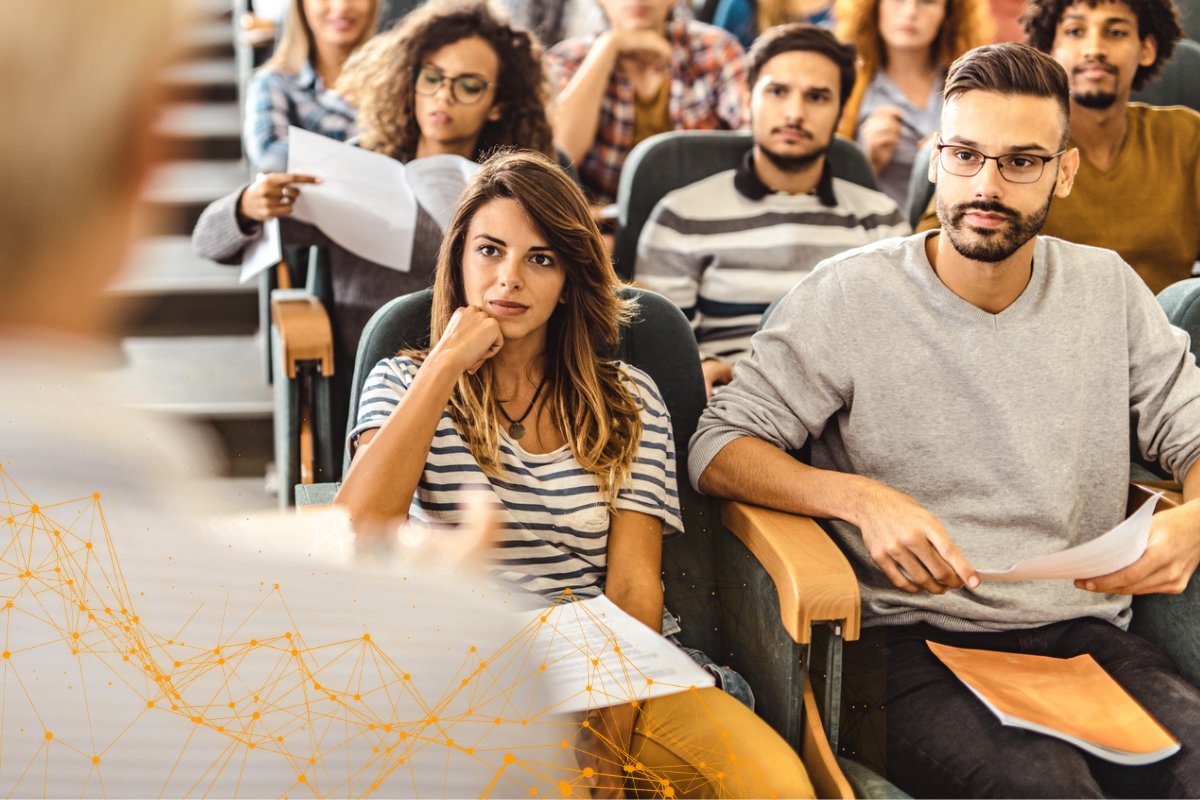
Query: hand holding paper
(1115, 550)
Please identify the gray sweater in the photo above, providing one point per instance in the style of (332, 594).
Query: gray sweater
(1013, 428)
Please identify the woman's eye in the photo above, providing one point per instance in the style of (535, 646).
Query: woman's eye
(489, 250)
(542, 260)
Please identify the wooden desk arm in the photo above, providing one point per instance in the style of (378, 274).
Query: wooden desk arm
(304, 331)
(1140, 490)
(813, 578)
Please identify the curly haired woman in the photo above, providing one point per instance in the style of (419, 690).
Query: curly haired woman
(904, 48)
(452, 78)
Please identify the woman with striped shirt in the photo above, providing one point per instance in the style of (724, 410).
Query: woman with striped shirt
(515, 398)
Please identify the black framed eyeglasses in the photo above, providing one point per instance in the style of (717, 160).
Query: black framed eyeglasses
(966, 162)
(465, 89)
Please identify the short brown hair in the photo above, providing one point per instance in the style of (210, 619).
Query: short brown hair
(1157, 18)
(804, 37)
(1011, 69)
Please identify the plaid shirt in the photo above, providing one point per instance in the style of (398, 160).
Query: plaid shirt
(708, 91)
(275, 100)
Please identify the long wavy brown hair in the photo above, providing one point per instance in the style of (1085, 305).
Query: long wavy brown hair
(592, 407)
(296, 44)
(966, 25)
(379, 79)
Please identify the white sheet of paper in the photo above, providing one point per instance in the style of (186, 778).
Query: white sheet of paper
(1115, 550)
(263, 253)
(363, 203)
(597, 655)
(438, 182)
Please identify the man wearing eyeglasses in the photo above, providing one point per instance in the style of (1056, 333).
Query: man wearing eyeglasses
(965, 399)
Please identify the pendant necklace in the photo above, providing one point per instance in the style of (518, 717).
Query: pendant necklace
(515, 429)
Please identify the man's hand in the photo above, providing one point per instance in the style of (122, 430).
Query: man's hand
(716, 373)
(1167, 565)
(910, 545)
(645, 45)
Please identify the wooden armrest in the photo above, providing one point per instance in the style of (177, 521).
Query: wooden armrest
(304, 331)
(1140, 490)
(813, 578)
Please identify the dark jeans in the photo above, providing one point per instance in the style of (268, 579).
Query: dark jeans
(943, 742)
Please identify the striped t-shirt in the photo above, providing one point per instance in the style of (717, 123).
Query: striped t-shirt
(553, 520)
(726, 247)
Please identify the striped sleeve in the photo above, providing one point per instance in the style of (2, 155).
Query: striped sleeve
(652, 487)
(383, 391)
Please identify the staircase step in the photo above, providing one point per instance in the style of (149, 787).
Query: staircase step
(178, 191)
(170, 291)
(205, 80)
(214, 381)
(168, 265)
(205, 377)
(208, 39)
(202, 131)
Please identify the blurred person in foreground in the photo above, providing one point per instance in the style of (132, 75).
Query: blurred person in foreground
(140, 655)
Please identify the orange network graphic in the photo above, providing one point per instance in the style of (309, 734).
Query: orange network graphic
(95, 702)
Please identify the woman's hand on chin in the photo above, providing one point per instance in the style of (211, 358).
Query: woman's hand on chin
(471, 338)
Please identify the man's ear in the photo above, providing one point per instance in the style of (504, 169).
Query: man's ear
(933, 156)
(1149, 51)
(1067, 168)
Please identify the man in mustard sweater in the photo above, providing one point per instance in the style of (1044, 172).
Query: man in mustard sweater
(1138, 187)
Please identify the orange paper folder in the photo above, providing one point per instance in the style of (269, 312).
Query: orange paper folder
(1072, 699)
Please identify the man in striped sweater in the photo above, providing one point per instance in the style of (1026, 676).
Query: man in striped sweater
(726, 247)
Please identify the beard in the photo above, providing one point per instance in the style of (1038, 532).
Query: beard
(990, 246)
(1097, 100)
(794, 163)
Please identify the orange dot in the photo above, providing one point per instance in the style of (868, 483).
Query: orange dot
(251, 745)
(301, 778)
(465, 682)
(232, 705)
(6, 654)
(95, 495)
(196, 720)
(95, 759)
(509, 758)
(255, 715)
(178, 663)
(295, 652)
(317, 687)
(49, 735)
(449, 743)
(312, 760)
(358, 697)
(366, 637)
(149, 704)
(564, 788)
(8, 604)
(407, 676)
(588, 772)
(88, 546)
(533, 791)
(34, 509)
(254, 642)
(496, 721)
(542, 668)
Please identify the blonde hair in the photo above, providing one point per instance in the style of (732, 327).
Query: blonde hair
(78, 80)
(591, 405)
(966, 25)
(295, 47)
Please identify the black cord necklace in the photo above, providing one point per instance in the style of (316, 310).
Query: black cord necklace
(515, 429)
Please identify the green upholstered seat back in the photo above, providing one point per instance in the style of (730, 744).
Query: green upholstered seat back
(669, 161)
